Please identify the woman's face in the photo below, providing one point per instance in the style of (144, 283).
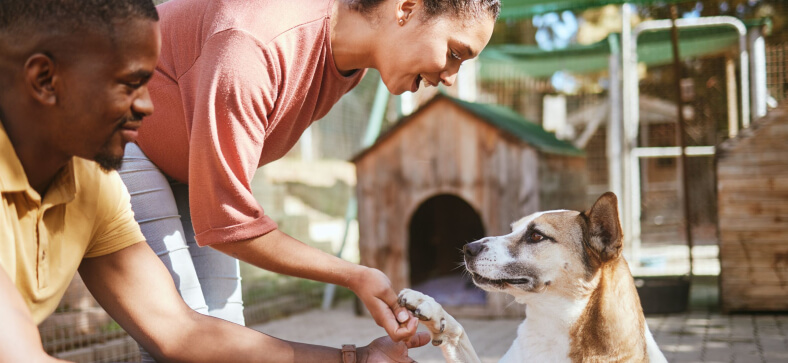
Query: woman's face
(429, 51)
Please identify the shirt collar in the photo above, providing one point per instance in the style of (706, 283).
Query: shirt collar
(13, 178)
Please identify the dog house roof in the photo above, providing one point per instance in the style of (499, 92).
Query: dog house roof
(501, 117)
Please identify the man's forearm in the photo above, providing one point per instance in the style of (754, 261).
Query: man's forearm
(19, 338)
(203, 338)
(135, 288)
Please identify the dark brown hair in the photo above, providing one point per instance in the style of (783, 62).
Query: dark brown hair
(70, 16)
(440, 7)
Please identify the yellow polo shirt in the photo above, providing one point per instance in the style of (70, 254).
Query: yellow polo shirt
(86, 212)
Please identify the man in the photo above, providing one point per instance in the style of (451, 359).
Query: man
(73, 92)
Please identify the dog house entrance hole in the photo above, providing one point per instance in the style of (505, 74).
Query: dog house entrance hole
(438, 230)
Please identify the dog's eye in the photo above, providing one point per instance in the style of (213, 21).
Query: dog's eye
(536, 237)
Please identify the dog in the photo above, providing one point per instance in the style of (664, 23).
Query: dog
(566, 267)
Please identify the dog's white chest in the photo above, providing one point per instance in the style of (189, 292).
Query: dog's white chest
(537, 344)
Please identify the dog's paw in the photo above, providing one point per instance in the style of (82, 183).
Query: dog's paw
(441, 325)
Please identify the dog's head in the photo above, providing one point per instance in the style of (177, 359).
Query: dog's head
(555, 252)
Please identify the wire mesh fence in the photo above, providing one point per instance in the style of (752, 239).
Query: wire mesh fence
(777, 71)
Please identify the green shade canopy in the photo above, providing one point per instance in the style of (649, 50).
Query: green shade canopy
(513, 9)
(506, 61)
(510, 121)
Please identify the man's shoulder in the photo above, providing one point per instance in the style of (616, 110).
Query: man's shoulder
(95, 185)
(89, 172)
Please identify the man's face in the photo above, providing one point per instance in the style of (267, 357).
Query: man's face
(103, 96)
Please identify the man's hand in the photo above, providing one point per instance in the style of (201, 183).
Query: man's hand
(374, 290)
(384, 349)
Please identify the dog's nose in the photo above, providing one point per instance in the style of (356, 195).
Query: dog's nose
(474, 248)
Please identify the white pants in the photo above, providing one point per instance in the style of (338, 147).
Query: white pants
(208, 280)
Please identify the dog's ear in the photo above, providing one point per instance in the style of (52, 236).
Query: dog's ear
(604, 232)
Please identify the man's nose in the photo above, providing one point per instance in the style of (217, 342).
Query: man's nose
(473, 249)
(143, 104)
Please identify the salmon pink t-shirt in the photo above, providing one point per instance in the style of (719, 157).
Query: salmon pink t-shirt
(237, 83)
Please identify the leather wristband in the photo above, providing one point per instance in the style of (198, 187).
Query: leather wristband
(348, 353)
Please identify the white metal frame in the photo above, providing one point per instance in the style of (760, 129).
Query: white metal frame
(631, 154)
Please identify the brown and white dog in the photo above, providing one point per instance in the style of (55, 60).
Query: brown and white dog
(567, 268)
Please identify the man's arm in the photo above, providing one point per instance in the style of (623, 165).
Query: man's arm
(280, 253)
(19, 338)
(135, 288)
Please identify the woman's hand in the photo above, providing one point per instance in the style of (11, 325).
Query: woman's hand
(374, 289)
(384, 349)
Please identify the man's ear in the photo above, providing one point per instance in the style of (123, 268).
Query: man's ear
(604, 233)
(40, 78)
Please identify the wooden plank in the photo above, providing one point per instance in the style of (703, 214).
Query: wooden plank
(742, 304)
(743, 168)
(750, 236)
(760, 158)
(759, 272)
(755, 251)
(752, 196)
(745, 280)
(779, 265)
(763, 223)
(765, 292)
(761, 182)
(747, 208)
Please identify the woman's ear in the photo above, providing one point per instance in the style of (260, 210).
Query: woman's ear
(405, 10)
(40, 78)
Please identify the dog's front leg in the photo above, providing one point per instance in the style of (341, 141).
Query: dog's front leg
(446, 332)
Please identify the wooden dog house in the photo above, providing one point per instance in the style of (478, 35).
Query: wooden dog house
(451, 173)
(752, 194)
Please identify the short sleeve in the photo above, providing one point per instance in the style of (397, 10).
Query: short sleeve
(233, 87)
(115, 227)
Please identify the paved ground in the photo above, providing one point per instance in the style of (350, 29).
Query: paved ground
(700, 335)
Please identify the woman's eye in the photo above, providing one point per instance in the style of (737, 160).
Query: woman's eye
(455, 55)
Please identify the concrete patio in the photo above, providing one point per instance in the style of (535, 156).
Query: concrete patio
(702, 334)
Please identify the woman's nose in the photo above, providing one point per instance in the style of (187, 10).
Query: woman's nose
(448, 78)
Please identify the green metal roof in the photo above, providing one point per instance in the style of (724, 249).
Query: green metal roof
(512, 9)
(654, 48)
(500, 117)
(510, 121)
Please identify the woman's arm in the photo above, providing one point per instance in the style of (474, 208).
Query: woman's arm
(278, 252)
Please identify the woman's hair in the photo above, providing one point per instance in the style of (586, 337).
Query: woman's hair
(441, 7)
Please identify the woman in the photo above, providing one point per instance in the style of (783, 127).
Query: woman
(237, 83)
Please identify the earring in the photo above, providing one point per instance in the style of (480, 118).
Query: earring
(401, 22)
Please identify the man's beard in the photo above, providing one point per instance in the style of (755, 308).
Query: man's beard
(107, 161)
(104, 157)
